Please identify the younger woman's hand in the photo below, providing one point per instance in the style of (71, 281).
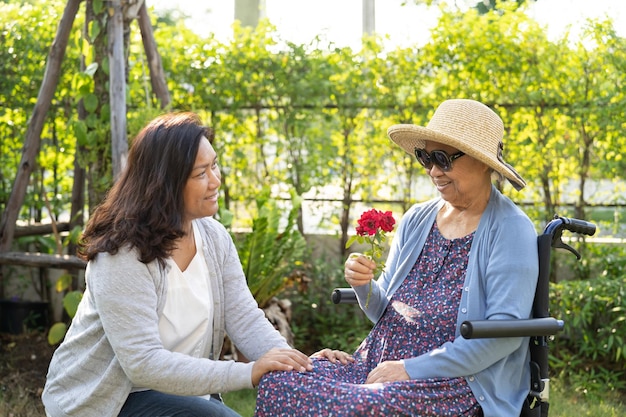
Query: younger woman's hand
(280, 360)
(334, 356)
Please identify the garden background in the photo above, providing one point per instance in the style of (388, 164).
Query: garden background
(300, 131)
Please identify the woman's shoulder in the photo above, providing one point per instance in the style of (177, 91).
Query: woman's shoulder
(504, 214)
(125, 254)
(213, 230)
(125, 258)
(122, 270)
(504, 206)
(210, 223)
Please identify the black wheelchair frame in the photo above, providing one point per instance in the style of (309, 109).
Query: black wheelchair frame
(539, 328)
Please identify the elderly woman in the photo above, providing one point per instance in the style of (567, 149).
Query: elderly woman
(470, 254)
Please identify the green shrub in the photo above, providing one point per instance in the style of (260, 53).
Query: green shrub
(590, 353)
(317, 323)
(271, 256)
(606, 260)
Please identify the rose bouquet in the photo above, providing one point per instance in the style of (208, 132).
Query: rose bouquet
(371, 230)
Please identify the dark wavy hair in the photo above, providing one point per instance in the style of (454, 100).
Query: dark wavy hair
(144, 208)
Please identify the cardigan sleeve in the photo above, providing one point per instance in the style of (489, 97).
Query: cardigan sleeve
(245, 322)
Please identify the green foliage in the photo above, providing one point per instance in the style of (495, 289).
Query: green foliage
(71, 299)
(317, 322)
(609, 260)
(590, 353)
(375, 243)
(268, 255)
(312, 117)
(606, 261)
(26, 36)
(56, 333)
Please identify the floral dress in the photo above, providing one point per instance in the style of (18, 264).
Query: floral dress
(420, 317)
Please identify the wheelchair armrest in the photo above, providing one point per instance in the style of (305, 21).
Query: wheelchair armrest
(344, 296)
(477, 329)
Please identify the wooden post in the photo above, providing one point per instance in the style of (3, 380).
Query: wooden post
(248, 12)
(157, 75)
(369, 17)
(117, 87)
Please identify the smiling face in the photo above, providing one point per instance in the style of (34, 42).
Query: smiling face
(200, 194)
(468, 180)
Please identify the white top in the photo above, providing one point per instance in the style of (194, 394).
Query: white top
(187, 317)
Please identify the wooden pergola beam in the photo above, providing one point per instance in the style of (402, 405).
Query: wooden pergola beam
(41, 229)
(39, 260)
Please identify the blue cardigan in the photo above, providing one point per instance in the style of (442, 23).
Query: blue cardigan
(499, 284)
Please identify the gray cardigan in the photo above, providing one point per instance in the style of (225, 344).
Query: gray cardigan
(500, 283)
(113, 343)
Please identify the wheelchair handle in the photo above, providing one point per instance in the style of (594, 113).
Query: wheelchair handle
(556, 226)
(478, 329)
(344, 296)
(582, 227)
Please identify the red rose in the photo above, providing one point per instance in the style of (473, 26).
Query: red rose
(371, 230)
(386, 221)
(368, 223)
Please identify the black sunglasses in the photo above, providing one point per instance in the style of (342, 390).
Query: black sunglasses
(439, 158)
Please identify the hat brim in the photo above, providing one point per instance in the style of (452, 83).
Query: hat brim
(409, 137)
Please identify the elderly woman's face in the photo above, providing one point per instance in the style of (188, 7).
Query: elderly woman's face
(467, 179)
(201, 189)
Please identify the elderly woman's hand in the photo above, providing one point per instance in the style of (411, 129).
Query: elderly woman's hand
(359, 270)
(334, 356)
(388, 371)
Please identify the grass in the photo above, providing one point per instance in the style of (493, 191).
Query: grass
(242, 401)
(566, 403)
(563, 403)
(24, 360)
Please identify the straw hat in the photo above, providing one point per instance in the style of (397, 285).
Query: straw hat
(467, 125)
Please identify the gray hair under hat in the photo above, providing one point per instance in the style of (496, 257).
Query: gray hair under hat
(467, 125)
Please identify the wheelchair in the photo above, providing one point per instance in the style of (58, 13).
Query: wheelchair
(539, 328)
